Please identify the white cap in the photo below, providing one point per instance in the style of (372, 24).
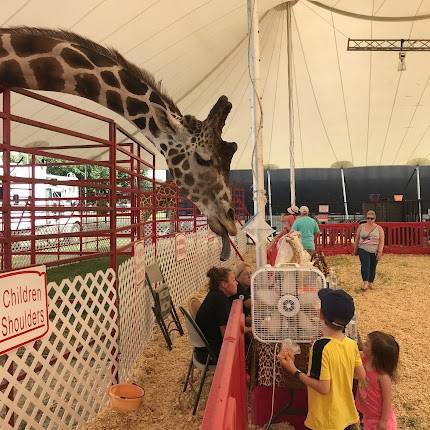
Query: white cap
(304, 210)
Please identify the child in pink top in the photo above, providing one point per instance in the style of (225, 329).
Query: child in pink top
(373, 400)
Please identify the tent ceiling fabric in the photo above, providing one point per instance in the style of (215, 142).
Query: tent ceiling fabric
(348, 106)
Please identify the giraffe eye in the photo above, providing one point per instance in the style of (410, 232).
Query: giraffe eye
(202, 161)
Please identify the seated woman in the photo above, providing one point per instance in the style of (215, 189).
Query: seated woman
(213, 314)
(242, 272)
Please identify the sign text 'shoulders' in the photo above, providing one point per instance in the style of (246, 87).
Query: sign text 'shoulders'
(23, 307)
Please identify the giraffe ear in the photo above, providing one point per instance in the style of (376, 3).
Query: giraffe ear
(218, 114)
(166, 122)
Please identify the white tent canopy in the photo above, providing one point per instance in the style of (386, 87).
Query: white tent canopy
(353, 107)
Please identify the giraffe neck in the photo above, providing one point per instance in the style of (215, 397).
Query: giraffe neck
(65, 62)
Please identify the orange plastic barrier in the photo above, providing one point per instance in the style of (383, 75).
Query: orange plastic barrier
(227, 404)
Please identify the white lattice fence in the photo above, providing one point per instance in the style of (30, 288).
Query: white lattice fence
(184, 277)
(62, 380)
(136, 317)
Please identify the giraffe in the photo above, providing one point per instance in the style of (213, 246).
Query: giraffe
(197, 156)
(165, 199)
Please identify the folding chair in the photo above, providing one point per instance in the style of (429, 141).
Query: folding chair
(193, 306)
(163, 304)
(197, 340)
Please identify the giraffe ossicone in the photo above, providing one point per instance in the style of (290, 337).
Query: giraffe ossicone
(197, 156)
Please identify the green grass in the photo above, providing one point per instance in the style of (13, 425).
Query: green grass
(70, 271)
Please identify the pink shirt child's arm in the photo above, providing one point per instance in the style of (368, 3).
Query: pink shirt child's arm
(385, 383)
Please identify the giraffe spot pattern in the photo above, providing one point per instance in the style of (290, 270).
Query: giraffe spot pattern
(186, 165)
(189, 180)
(48, 73)
(163, 147)
(155, 98)
(178, 158)
(96, 58)
(132, 84)
(153, 127)
(114, 101)
(11, 74)
(140, 122)
(172, 152)
(87, 86)
(110, 79)
(205, 201)
(136, 106)
(3, 52)
(25, 45)
(75, 60)
(178, 173)
(217, 187)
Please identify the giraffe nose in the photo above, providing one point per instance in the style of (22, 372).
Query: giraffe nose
(230, 214)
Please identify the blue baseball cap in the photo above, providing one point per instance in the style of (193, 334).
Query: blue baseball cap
(337, 306)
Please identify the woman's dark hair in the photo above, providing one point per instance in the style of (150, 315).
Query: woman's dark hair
(216, 275)
(385, 353)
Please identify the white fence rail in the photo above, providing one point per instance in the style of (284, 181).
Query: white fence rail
(98, 327)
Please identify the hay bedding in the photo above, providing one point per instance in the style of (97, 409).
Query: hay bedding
(399, 305)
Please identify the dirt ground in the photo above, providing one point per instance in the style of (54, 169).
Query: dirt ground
(399, 304)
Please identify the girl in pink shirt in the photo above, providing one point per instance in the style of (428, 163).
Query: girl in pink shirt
(373, 400)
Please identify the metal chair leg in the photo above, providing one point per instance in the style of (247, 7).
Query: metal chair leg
(190, 367)
(202, 381)
(163, 329)
(176, 319)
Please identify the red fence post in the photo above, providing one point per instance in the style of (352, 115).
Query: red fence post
(112, 196)
(7, 215)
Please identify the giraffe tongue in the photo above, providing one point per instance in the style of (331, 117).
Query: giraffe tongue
(226, 250)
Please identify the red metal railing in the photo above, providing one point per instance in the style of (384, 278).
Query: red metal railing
(400, 238)
(227, 405)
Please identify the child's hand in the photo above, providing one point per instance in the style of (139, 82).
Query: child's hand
(287, 361)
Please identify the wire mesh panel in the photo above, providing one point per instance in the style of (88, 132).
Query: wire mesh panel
(286, 304)
(62, 379)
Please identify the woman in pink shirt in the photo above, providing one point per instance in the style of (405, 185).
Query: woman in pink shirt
(374, 399)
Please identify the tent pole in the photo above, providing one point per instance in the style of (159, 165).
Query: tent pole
(256, 128)
(291, 107)
(419, 193)
(345, 200)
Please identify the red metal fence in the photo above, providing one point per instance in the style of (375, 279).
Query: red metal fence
(400, 238)
(42, 223)
(227, 405)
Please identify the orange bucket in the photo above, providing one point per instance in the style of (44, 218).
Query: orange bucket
(126, 397)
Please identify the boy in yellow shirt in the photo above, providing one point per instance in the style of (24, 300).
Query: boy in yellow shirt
(334, 361)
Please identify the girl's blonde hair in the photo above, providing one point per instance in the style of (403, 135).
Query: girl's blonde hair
(373, 213)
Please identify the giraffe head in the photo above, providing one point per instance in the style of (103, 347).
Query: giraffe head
(199, 160)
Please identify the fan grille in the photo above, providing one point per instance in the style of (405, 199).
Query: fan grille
(286, 304)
